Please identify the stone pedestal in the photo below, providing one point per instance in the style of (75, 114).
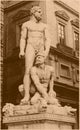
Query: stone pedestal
(40, 121)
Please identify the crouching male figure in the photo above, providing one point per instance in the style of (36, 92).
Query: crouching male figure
(43, 78)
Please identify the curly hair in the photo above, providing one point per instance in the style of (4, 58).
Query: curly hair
(34, 9)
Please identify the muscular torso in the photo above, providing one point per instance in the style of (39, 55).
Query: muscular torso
(35, 29)
(35, 34)
(44, 75)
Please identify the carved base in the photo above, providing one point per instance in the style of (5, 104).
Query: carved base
(40, 121)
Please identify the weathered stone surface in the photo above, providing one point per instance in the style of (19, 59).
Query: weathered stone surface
(12, 110)
(40, 121)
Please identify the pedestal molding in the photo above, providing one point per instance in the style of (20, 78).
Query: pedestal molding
(39, 117)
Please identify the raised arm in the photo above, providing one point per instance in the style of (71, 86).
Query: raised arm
(47, 41)
(23, 39)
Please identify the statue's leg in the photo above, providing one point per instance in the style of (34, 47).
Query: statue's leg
(29, 60)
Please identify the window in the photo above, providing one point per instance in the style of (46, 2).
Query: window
(62, 21)
(61, 33)
(65, 71)
(76, 40)
(75, 28)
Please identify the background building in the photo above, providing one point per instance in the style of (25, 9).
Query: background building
(62, 16)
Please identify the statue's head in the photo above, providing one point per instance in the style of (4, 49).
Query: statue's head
(36, 12)
(40, 58)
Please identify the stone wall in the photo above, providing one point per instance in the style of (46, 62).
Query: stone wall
(1, 50)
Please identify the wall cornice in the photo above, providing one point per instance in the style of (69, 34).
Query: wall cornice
(12, 7)
(67, 7)
(62, 14)
(65, 55)
(75, 22)
(66, 86)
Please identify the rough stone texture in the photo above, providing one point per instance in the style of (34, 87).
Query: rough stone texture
(19, 110)
(1, 50)
(40, 121)
(74, 4)
(35, 117)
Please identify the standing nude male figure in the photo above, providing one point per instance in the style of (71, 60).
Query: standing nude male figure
(35, 33)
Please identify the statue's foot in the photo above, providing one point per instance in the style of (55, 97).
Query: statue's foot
(44, 103)
(24, 101)
(54, 101)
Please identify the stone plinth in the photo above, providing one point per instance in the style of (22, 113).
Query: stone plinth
(40, 121)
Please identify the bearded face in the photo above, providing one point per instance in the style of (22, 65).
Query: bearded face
(40, 60)
(38, 14)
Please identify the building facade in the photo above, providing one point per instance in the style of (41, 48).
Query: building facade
(63, 22)
(1, 52)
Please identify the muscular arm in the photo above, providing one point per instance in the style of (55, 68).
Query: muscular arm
(47, 41)
(23, 38)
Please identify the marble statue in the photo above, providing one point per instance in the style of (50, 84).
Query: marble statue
(34, 39)
(36, 35)
(44, 98)
(43, 77)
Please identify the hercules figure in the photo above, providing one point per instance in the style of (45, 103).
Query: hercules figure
(34, 39)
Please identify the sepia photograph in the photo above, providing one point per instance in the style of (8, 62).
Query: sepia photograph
(39, 64)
